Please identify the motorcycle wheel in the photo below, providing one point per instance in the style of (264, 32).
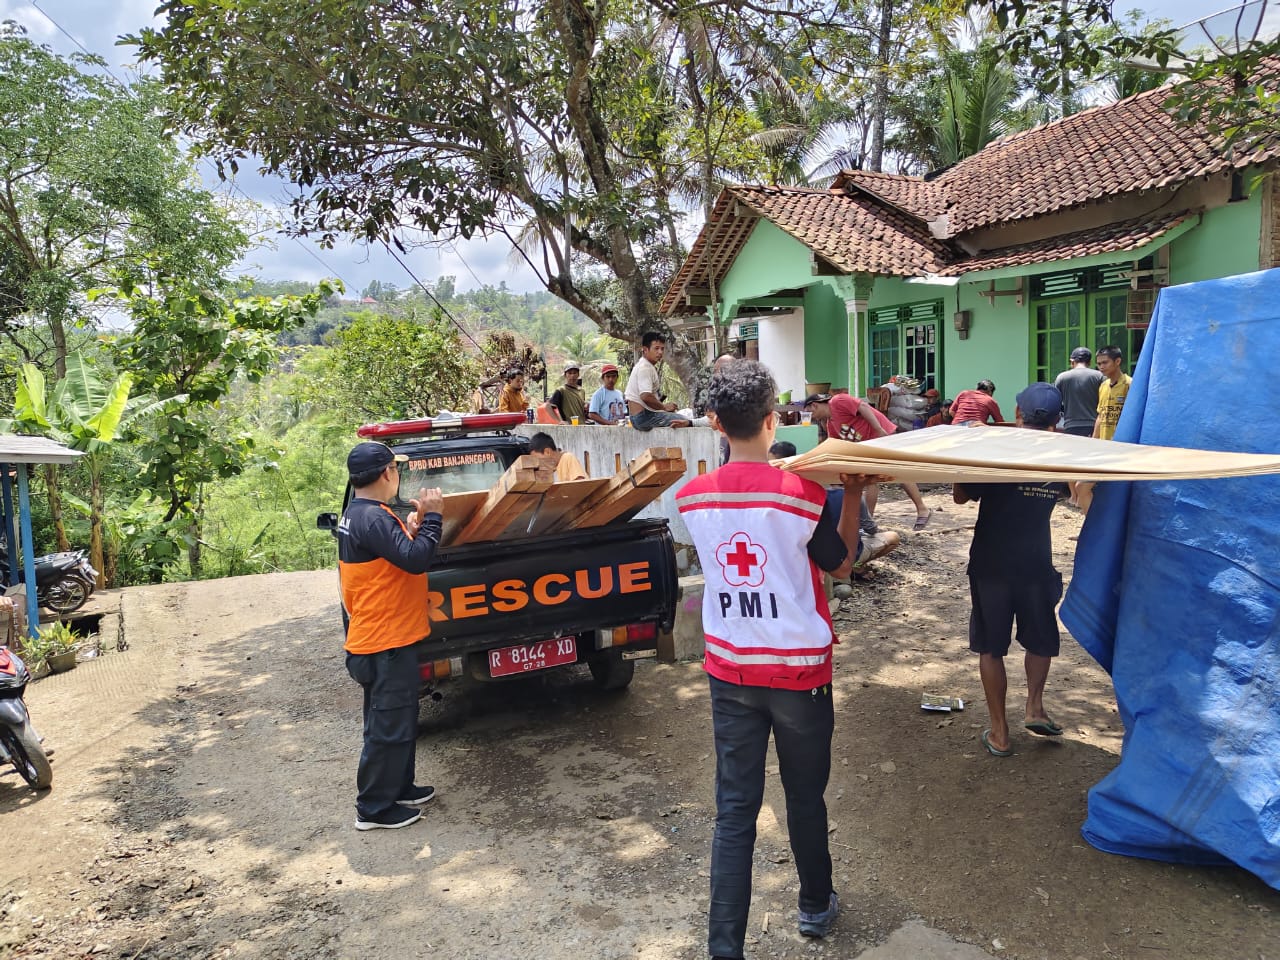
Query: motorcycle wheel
(27, 756)
(67, 595)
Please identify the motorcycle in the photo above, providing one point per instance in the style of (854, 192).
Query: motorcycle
(64, 581)
(19, 743)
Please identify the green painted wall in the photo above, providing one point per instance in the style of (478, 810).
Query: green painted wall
(1226, 242)
(771, 260)
(826, 336)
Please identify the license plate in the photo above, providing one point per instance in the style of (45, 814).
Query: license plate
(532, 656)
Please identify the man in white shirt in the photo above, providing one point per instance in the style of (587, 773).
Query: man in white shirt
(643, 403)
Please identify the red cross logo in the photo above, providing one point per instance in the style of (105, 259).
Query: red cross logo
(742, 561)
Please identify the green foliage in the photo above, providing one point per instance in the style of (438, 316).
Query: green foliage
(93, 183)
(264, 519)
(392, 368)
(57, 637)
(187, 347)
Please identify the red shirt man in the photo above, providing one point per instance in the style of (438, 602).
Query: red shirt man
(848, 417)
(976, 406)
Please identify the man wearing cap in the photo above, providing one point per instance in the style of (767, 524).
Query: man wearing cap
(607, 406)
(569, 401)
(847, 417)
(1012, 580)
(382, 565)
(976, 406)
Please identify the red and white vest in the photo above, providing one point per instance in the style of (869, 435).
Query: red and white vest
(763, 608)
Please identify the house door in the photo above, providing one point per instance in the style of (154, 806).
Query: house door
(904, 339)
(1080, 308)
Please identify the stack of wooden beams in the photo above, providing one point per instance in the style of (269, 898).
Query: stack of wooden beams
(630, 491)
(527, 501)
(525, 481)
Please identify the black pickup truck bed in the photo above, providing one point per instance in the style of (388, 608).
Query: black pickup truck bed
(509, 607)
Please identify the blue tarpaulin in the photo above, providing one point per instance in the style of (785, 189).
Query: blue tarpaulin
(1175, 592)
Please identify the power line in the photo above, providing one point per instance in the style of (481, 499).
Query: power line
(427, 290)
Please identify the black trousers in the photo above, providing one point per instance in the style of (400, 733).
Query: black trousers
(802, 722)
(391, 683)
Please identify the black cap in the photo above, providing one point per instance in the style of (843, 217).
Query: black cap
(369, 456)
(1081, 355)
(816, 398)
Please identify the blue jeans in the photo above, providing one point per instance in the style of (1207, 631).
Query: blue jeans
(648, 419)
(802, 722)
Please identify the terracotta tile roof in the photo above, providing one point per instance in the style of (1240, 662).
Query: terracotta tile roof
(853, 234)
(1120, 237)
(856, 236)
(1130, 146)
(914, 195)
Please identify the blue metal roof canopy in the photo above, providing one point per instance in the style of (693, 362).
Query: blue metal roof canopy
(16, 449)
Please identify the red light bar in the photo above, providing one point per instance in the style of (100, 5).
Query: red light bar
(425, 425)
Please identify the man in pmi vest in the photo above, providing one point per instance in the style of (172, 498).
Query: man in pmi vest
(763, 538)
(382, 563)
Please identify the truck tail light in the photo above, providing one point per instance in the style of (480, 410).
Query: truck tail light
(440, 669)
(632, 633)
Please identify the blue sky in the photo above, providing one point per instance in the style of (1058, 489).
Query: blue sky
(97, 23)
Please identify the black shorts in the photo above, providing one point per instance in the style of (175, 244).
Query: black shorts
(1079, 431)
(998, 603)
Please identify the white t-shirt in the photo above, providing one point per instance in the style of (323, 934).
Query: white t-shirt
(643, 379)
(609, 404)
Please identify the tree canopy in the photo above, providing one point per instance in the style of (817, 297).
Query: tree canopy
(91, 182)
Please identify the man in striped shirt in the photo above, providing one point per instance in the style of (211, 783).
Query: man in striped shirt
(764, 537)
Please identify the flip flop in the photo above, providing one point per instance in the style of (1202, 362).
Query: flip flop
(1044, 728)
(922, 522)
(994, 751)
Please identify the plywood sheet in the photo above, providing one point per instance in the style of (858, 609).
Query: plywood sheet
(990, 454)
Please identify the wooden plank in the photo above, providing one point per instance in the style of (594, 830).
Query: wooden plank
(550, 510)
(458, 509)
(630, 490)
(527, 477)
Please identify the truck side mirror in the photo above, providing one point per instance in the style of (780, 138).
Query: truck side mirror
(327, 521)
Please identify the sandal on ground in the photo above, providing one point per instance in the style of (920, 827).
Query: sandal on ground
(922, 521)
(1044, 728)
(992, 748)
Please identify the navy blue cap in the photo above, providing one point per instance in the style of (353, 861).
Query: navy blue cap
(1040, 404)
(371, 455)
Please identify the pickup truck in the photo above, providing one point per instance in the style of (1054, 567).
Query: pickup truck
(505, 608)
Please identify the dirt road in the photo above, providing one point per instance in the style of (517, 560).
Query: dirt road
(203, 803)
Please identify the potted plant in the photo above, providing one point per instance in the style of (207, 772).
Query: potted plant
(62, 643)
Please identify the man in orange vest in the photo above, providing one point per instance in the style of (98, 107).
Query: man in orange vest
(382, 563)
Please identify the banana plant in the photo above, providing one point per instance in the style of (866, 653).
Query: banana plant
(84, 412)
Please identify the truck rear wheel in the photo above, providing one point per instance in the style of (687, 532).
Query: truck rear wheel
(610, 671)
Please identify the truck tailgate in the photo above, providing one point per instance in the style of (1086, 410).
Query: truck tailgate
(545, 586)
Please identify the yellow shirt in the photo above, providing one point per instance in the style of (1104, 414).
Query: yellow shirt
(512, 401)
(569, 468)
(1110, 403)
